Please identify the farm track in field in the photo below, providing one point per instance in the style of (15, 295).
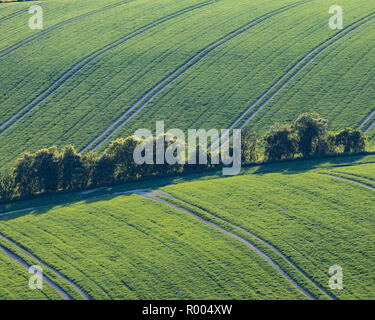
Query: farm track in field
(19, 115)
(350, 180)
(47, 266)
(181, 70)
(304, 275)
(370, 127)
(12, 15)
(293, 72)
(17, 259)
(368, 117)
(248, 244)
(57, 26)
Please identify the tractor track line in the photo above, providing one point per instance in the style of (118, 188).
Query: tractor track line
(370, 127)
(294, 71)
(24, 111)
(347, 179)
(48, 267)
(17, 259)
(59, 25)
(356, 176)
(181, 70)
(366, 119)
(248, 244)
(12, 15)
(303, 274)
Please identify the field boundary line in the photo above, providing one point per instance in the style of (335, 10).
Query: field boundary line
(247, 243)
(57, 26)
(292, 72)
(177, 73)
(20, 261)
(24, 111)
(266, 243)
(28, 253)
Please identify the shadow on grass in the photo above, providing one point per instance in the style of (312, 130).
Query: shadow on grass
(45, 203)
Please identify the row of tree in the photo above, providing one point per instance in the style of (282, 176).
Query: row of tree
(49, 171)
(309, 136)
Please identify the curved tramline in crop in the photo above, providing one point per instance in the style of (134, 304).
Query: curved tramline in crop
(235, 236)
(57, 273)
(371, 125)
(252, 235)
(12, 15)
(57, 26)
(21, 262)
(24, 111)
(291, 74)
(345, 178)
(142, 102)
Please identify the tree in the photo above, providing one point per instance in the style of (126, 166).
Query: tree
(249, 146)
(280, 142)
(309, 128)
(7, 186)
(103, 172)
(90, 160)
(120, 152)
(72, 169)
(46, 169)
(352, 140)
(24, 176)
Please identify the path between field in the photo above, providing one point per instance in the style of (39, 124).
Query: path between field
(85, 296)
(59, 25)
(26, 266)
(24, 111)
(293, 72)
(304, 275)
(248, 244)
(152, 93)
(348, 179)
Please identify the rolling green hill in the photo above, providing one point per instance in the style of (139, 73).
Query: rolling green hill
(169, 238)
(108, 68)
(100, 70)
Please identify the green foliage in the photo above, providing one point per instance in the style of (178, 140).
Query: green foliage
(7, 186)
(280, 142)
(249, 146)
(352, 140)
(310, 129)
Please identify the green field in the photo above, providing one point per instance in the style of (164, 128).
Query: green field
(122, 245)
(76, 105)
(99, 70)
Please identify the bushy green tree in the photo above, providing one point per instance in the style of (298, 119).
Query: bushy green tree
(120, 152)
(24, 176)
(249, 146)
(7, 186)
(352, 140)
(72, 169)
(280, 142)
(46, 169)
(311, 129)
